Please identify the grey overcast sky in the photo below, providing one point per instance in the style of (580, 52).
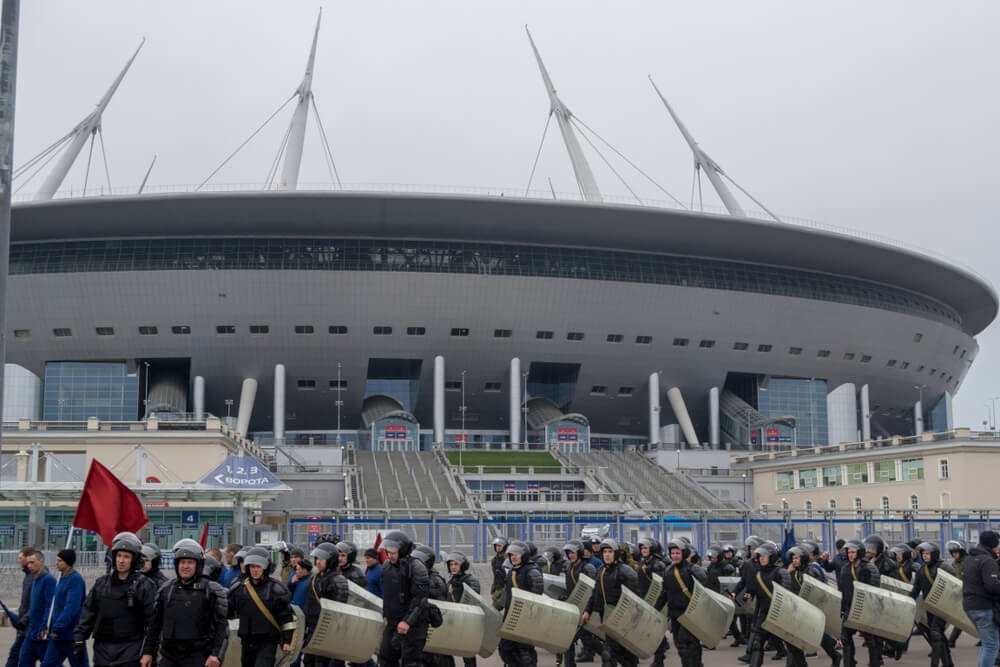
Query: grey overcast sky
(874, 116)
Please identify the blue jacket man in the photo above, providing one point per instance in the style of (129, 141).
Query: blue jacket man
(373, 572)
(66, 605)
(42, 588)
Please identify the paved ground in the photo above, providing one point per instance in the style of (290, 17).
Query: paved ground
(965, 655)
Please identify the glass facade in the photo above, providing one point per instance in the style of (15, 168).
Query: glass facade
(554, 381)
(912, 469)
(804, 399)
(484, 259)
(398, 378)
(76, 390)
(833, 476)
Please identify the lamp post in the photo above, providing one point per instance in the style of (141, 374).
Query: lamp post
(744, 476)
(340, 400)
(993, 403)
(145, 398)
(524, 407)
(229, 409)
(461, 409)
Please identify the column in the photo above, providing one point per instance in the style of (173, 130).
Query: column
(515, 400)
(279, 404)
(439, 400)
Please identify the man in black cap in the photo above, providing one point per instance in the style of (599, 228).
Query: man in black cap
(67, 602)
(373, 572)
(981, 592)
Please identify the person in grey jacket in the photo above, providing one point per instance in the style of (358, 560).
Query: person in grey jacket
(22, 608)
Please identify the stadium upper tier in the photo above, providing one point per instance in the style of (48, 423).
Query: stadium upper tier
(326, 282)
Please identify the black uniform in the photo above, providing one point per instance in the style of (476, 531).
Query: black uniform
(405, 586)
(325, 585)
(258, 635)
(189, 623)
(437, 589)
(866, 573)
(528, 577)
(678, 587)
(354, 573)
(761, 587)
(922, 582)
(456, 585)
(572, 576)
(499, 578)
(611, 579)
(828, 642)
(117, 612)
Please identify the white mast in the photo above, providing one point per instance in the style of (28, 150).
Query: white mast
(703, 161)
(85, 129)
(297, 129)
(584, 177)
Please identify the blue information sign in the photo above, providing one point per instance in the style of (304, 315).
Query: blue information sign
(7, 530)
(216, 531)
(58, 529)
(189, 519)
(163, 529)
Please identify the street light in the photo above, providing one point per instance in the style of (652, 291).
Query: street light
(461, 409)
(340, 401)
(145, 400)
(229, 409)
(744, 476)
(524, 408)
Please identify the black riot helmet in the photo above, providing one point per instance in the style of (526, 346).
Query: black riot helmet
(211, 569)
(682, 544)
(902, 549)
(188, 548)
(424, 554)
(931, 548)
(500, 541)
(800, 551)
(954, 546)
(398, 540)
(457, 557)
(875, 544)
(259, 556)
(767, 549)
(348, 548)
(574, 546)
(127, 542)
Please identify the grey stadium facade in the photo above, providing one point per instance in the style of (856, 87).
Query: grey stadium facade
(601, 305)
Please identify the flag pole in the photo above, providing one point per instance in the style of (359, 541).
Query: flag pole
(52, 603)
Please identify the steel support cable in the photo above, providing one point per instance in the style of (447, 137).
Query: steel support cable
(272, 171)
(538, 155)
(331, 165)
(606, 162)
(245, 142)
(630, 163)
(52, 155)
(90, 158)
(752, 198)
(41, 156)
(104, 156)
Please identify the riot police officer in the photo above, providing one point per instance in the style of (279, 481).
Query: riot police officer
(523, 574)
(930, 553)
(405, 585)
(118, 608)
(347, 553)
(458, 567)
(678, 587)
(327, 583)
(497, 563)
(189, 626)
(613, 576)
(151, 564)
(857, 568)
(578, 565)
(264, 609)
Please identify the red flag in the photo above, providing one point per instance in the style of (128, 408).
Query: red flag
(108, 507)
(381, 551)
(204, 536)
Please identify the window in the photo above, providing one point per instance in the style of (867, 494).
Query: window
(884, 504)
(885, 471)
(942, 468)
(866, 358)
(933, 372)
(615, 338)
(914, 503)
(225, 329)
(148, 331)
(807, 478)
(453, 385)
(416, 331)
(643, 340)
(22, 333)
(304, 328)
(822, 354)
(493, 386)
(905, 365)
(338, 385)
(917, 337)
(740, 346)
(890, 363)
(857, 473)
(955, 350)
(706, 344)
(833, 476)
(460, 332)
(858, 506)
(598, 390)
(796, 351)
(259, 329)
(306, 384)
(382, 331)
(785, 480)
(912, 469)
(680, 342)
(625, 391)
(503, 333)
(62, 332)
(574, 335)
(181, 329)
(544, 335)
(337, 330)
(920, 368)
(831, 503)
(105, 331)
(848, 356)
(764, 347)
(809, 509)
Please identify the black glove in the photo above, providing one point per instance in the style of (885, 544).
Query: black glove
(80, 651)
